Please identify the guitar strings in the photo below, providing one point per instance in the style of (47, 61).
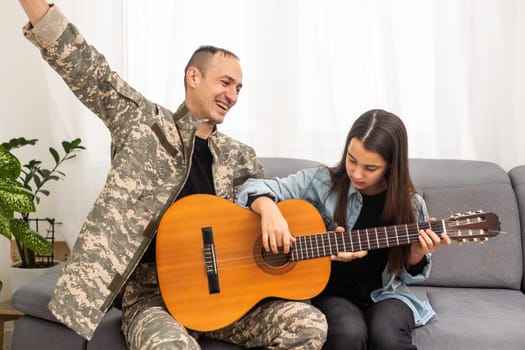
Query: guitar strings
(329, 243)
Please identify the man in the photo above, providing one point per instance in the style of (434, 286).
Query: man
(156, 158)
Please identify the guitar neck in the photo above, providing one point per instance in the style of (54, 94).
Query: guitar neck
(330, 243)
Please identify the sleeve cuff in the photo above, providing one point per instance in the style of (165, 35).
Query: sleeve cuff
(48, 30)
(418, 268)
(252, 198)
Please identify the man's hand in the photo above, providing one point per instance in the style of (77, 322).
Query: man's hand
(34, 9)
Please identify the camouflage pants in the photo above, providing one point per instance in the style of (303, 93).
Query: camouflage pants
(273, 324)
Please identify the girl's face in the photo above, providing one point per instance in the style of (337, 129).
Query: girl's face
(365, 169)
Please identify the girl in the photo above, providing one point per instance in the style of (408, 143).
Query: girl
(367, 302)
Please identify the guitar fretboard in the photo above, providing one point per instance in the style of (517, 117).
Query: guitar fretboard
(330, 243)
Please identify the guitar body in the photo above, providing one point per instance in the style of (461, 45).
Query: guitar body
(244, 274)
(212, 268)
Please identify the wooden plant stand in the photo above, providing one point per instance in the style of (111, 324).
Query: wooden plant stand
(7, 313)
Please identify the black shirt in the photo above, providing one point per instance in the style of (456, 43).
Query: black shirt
(355, 280)
(200, 180)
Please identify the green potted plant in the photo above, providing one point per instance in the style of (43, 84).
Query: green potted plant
(20, 189)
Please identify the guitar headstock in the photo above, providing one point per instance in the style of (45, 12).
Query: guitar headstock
(472, 226)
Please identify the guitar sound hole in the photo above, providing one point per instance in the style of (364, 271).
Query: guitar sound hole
(274, 264)
(275, 260)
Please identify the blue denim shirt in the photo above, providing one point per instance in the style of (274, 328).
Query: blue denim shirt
(313, 185)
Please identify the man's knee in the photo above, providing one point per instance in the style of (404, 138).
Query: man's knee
(315, 329)
(155, 329)
(303, 328)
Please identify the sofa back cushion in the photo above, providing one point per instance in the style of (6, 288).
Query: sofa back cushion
(517, 177)
(454, 186)
(280, 167)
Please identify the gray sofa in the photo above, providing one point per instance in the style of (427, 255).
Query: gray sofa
(476, 289)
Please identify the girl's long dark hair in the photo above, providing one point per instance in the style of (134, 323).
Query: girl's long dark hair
(383, 133)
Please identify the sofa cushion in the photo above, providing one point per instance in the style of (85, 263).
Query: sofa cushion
(472, 318)
(36, 333)
(108, 335)
(451, 186)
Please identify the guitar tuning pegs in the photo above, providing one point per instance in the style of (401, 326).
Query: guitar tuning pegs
(456, 216)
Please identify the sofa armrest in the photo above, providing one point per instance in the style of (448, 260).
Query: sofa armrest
(32, 298)
(517, 177)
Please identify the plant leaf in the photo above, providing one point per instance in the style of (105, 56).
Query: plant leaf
(5, 228)
(67, 146)
(15, 197)
(9, 164)
(33, 163)
(31, 239)
(76, 143)
(18, 142)
(55, 154)
(38, 182)
(45, 173)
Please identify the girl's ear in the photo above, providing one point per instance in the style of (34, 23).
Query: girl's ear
(388, 169)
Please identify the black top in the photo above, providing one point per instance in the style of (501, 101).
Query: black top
(199, 181)
(355, 280)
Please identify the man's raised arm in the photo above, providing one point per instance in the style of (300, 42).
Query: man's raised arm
(34, 9)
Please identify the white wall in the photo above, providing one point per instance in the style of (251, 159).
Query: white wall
(22, 94)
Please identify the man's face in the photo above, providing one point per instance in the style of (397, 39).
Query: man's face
(213, 94)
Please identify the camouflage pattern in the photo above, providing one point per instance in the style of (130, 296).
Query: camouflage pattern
(277, 324)
(150, 153)
(146, 323)
(272, 324)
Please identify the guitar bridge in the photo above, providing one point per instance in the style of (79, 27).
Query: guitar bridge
(210, 260)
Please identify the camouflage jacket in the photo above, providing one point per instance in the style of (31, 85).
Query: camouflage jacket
(151, 151)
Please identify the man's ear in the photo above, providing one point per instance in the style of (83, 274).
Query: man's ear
(193, 76)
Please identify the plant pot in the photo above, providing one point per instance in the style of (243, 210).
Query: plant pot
(22, 276)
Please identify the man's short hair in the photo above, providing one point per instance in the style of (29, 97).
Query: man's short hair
(201, 57)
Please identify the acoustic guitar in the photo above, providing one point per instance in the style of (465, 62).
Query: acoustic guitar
(212, 267)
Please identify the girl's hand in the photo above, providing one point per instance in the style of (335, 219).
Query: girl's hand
(347, 256)
(276, 236)
(429, 242)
